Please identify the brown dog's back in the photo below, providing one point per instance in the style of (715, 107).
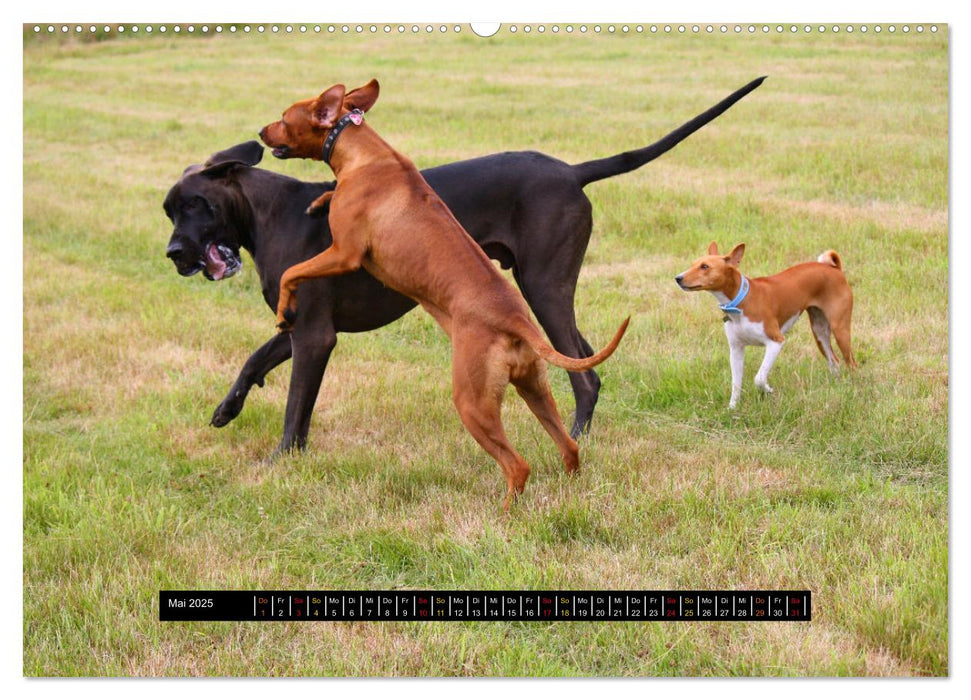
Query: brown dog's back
(420, 259)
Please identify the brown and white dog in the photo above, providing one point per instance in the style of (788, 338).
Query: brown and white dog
(761, 311)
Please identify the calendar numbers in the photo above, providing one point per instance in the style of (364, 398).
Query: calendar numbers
(488, 606)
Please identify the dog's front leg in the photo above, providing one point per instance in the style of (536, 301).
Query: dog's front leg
(312, 347)
(772, 349)
(317, 206)
(333, 261)
(737, 358)
(274, 352)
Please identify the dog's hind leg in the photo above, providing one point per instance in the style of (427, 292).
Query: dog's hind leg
(534, 387)
(566, 338)
(550, 295)
(841, 331)
(821, 330)
(557, 226)
(478, 385)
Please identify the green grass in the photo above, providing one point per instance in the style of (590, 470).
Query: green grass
(838, 485)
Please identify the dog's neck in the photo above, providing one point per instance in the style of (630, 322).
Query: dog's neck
(240, 215)
(263, 199)
(357, 146)
(731, 288)
(353, 118)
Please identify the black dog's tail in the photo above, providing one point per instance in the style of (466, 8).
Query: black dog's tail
(594, 170)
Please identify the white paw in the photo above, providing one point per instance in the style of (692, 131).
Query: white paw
(736, 395)
(764, 386)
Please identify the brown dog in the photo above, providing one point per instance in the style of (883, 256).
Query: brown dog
(385, 217)
(761, 311)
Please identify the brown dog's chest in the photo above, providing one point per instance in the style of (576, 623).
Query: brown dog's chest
(415, 246)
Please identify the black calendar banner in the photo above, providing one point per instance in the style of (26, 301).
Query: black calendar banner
(484, 606)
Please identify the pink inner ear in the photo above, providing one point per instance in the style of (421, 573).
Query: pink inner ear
(324, 115)
(328, 105)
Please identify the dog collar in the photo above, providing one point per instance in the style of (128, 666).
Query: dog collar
(732, 306)
(355, 117)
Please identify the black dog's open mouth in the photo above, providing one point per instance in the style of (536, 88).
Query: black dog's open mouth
(220, 262)
(188, 269)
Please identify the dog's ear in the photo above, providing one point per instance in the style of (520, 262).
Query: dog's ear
(327, 108)
(248, 154)
(735, 257)
(364, 97)
(713, 248)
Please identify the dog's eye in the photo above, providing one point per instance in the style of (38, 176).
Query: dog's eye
(194, 205)
(704, 266)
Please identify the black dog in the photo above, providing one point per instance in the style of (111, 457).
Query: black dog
(527, 211)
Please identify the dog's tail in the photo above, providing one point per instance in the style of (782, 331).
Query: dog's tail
(831, 257)
(594, 170)
(528, 331)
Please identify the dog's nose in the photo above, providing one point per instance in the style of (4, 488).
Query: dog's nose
(173, 251)
(679, 278)
(262, 133)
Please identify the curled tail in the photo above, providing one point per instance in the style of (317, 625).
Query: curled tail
(831, 257)
(530, 334)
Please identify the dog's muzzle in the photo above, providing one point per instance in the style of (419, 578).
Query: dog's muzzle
(680, 280)
(281, 152)
(216, 263)
(221, 262)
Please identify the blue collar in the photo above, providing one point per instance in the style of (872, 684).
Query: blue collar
(732, 306)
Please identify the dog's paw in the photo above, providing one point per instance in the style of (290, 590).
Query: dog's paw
(736, 395)
(580, 429)
(227, 410)
(285, 325)
(319, 206)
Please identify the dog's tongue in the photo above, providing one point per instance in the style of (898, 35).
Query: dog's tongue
(215, 265)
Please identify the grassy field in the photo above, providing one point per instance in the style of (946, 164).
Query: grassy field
(838, 485)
